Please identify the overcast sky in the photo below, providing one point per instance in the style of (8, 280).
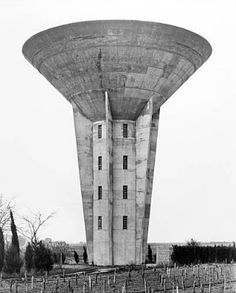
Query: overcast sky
(194, 192)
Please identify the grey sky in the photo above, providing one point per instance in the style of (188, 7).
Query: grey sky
(194, 191)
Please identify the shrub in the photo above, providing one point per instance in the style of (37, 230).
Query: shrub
(56, 257)
(13, 262)
(29, 257)
(149, 253)
(193, 254)
(76, 257)
(85, 255)
(14, 240)
(42, 258)
(63, 257)
(2, 250)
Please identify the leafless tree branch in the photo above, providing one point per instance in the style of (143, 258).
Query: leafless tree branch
(33, 224)
(5, 207)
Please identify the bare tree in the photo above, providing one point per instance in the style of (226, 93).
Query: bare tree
(33, 224)
(5, 208)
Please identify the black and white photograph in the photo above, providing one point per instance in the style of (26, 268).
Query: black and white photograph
(118, 146)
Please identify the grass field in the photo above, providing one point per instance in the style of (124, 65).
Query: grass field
(199, 278)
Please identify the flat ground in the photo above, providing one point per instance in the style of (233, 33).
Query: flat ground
(199, 278)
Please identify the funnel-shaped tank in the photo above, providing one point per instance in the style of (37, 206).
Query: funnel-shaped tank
(116, 74)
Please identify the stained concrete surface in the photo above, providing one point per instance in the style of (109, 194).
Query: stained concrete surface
(115, 72)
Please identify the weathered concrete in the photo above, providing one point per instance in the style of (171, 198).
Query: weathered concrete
(132, 60)
(102, 239)
(145, 136)
(124, 240)
(83, 133)
(115, 72)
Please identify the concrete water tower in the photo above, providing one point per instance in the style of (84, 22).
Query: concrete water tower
(116, 74)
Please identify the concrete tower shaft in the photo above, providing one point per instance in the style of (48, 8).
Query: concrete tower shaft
(116, 74)
(119, 185)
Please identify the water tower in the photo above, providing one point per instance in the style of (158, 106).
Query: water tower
(116, 74)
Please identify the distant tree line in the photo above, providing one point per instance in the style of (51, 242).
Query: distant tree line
(193, 253)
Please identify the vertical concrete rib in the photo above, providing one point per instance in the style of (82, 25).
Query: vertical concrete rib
(109, 175)
(102, 147)
(150, 168)
(84, 139)
(146, 136)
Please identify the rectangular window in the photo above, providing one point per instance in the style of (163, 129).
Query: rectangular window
(125, 130)
(99, 192)
(147, 211)
(125, 222)
(100, 131)
(125, 162)
(99, 162)
(99, 222)
(125, 191)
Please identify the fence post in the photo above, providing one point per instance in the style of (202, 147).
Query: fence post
(108, 282)
(194, 284)
(201, 288)
(11, 284)
(57, 285)
(182, 280)
(145, 286)
(32, 282)
(90, 283)
(129, 275)
(76, 279)
(177, 289)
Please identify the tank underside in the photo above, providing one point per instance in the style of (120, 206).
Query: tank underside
(116, 72)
